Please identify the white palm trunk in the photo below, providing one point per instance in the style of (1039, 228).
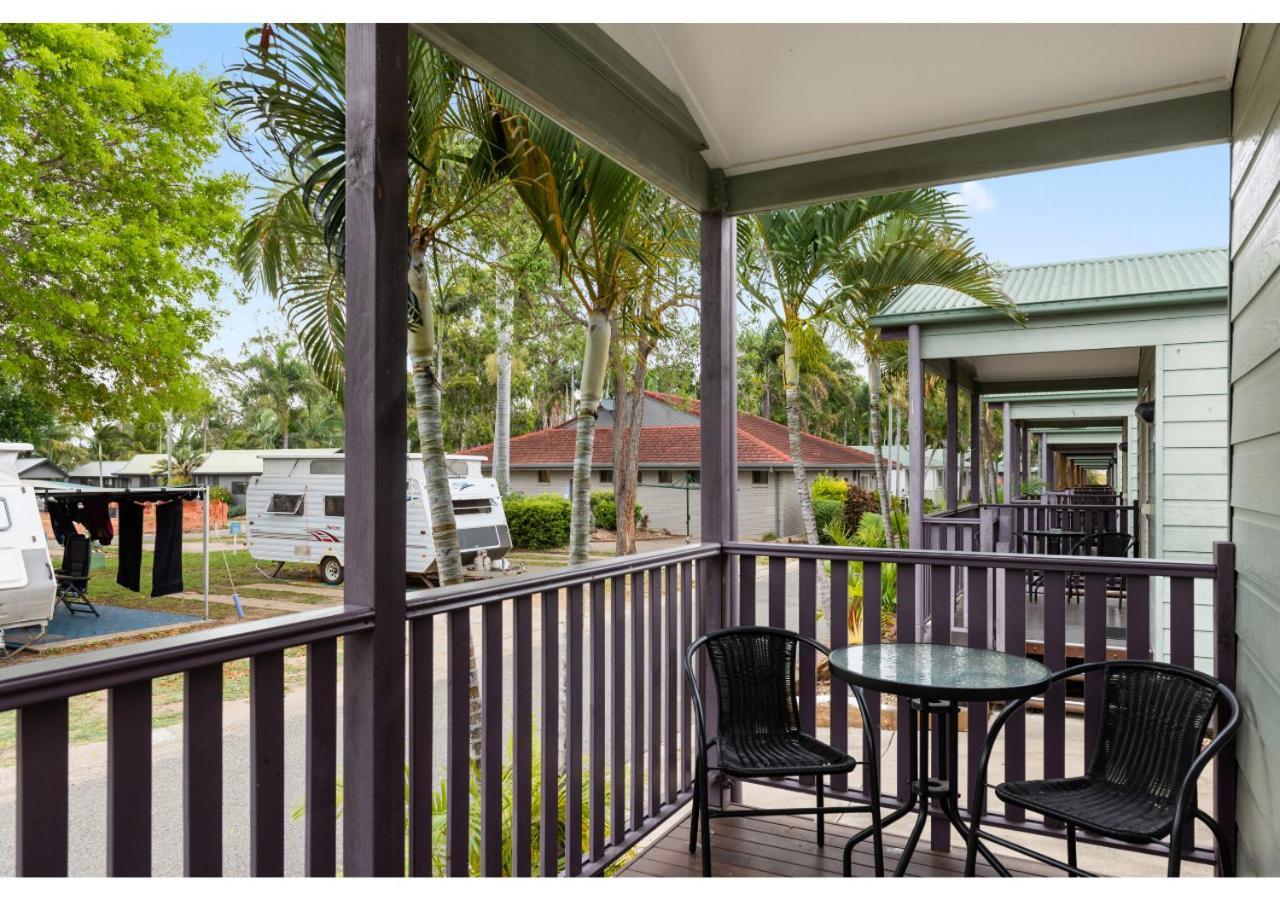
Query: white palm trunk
(791, 389)
(877, 448)
(502, 407)
(427, 409)
(590, 393)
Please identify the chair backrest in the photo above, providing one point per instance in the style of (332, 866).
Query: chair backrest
(1104, 543)
(1154, 721)
(76, 557)
(755, 680)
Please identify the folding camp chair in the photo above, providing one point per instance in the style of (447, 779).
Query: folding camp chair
(73, 576)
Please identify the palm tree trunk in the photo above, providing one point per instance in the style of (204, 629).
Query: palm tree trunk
(502, 408)
(595, 361)
(791, 386)
(877, 448)
(427, 410)
(628, 421)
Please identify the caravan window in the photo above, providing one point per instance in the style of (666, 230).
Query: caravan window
(287, 504)
(458, 468)
(335, 506)
(5, 522)
(327, 466)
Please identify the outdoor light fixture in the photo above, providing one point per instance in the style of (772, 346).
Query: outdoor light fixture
(1146, 411)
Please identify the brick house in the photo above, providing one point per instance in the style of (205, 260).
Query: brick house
(542, 463)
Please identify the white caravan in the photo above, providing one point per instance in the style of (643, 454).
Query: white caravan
(28, 589)
(294, 511)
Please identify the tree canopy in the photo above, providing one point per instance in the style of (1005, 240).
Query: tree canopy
(112, 223)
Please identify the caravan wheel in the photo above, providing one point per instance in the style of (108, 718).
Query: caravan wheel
(331, 571)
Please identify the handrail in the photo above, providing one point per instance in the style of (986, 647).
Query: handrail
(960, 512)
(432, 601)
(1104, 565)
(98, 670)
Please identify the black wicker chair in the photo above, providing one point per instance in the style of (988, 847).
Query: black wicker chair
(758, 729)
(1140, 785)
(1103, 543)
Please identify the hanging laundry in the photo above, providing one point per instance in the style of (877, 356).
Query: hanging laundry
(95, 516)
(59, 519)
(129, 572)
(166, 576)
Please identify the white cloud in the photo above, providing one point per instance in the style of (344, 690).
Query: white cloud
(976, 198)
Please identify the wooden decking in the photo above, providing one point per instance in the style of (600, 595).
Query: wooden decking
(785, 847)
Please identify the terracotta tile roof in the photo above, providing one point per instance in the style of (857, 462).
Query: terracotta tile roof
(760, 442)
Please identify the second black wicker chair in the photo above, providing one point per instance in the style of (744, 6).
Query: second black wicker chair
(758, 729)
(1140, 785)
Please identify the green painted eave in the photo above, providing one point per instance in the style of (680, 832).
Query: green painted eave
(1119, 394)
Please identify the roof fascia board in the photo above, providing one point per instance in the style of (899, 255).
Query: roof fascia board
(578, 76)
(1131, 131)
(1058, 307)
(1084, 384)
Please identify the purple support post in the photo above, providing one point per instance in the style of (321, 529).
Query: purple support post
(915, 438)
(975, 447)
(1010, 456)
(377, 90)
(952, 471)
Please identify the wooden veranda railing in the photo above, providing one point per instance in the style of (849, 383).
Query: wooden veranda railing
(578, 674)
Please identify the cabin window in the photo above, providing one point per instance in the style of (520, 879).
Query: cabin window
(692, 476)
(5, 522)
(606, 476)
(238, 488)
(544, 476)
(327, 466)
(760, 476)
(335, 506)
(664, 476)
(286, 504)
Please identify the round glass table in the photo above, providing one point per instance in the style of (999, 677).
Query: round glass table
(936, 678)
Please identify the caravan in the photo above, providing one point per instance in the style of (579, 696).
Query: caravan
(27, 585)
(295, 513)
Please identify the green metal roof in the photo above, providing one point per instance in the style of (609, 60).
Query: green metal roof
(1169, 277)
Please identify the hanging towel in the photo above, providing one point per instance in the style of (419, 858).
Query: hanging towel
(95, 516)
(59, 519)
(129, 573)
(166, 577)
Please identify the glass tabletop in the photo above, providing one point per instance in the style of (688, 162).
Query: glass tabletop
(939, 671)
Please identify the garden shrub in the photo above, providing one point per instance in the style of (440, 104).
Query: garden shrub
(828, 487)
(856, 503)
(540, 522)
(604, 511)
(825, 512)
(218, 493)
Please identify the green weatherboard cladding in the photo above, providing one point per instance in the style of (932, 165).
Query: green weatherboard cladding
(1155, 278)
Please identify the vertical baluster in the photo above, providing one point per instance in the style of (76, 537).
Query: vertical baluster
(618, 710)
(674, 684)
(838, 711)
(522, 739)
(777, 592)
(747, 589)
(457, 862)
(322, 758)
(41, 841)
(1015, 641)
(421, 742)
(1055, 698)
(573, 729)
(871, 605)
(1182, 622)
(1137, 603)
(548, 830)
(129, 780)
(808, 609)
(266, 755)
(978, 634)
(491, 739)
(1095, 650)
(653, 767)
(906, 634)
(1225, 767)
(202, 772)
(638, 678)
(686, 700)
(941, 602)
(596, 757)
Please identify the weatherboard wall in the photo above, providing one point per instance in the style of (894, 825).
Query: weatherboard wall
(1255, 438)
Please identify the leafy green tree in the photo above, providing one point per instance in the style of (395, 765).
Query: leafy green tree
(111, 220)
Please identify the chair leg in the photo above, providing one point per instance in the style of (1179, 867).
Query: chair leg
(822, 838)
(1071, 848)
(706, 833)
(1226, 866)
(698, 787)
(877, 838)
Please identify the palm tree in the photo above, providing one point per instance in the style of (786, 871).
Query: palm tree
(279, 379)
(895, 253)
(586, 207)
(784, 258)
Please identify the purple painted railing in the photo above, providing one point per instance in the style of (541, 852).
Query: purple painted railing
(578, 672)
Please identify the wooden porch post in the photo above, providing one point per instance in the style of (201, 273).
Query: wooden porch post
(1024, 456)
(376, 275)
(975, 447)
(1046, 471)
(1010, 456)
(915, 432)
(952, 471)
(718, 424)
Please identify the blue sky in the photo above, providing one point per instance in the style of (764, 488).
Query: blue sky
(1168, 201)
